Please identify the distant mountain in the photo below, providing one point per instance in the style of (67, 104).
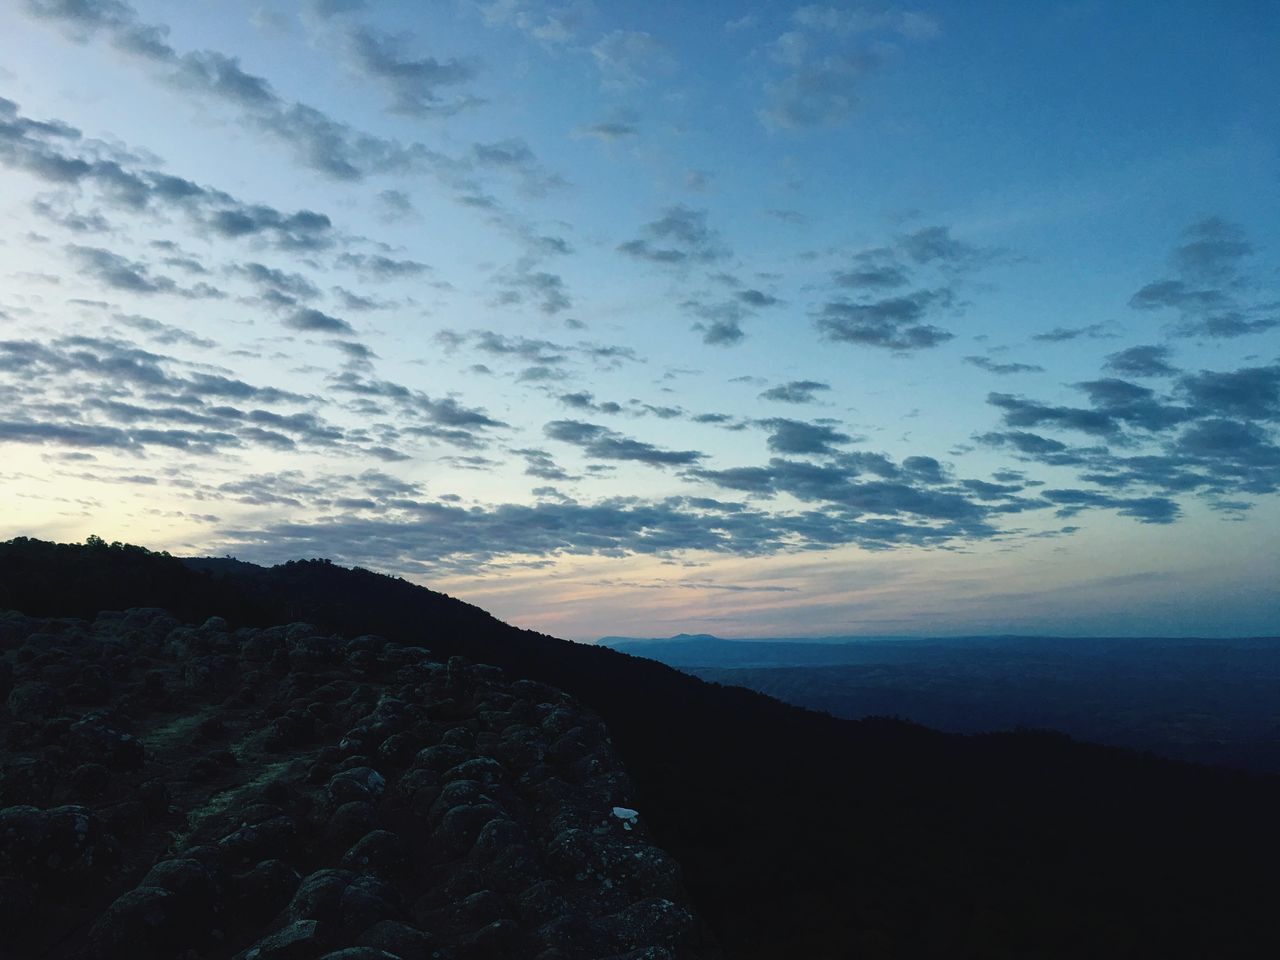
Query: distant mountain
(705, 650)
(1210, 701)
(797, 834)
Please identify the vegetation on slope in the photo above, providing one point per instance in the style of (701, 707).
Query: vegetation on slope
(800, 834)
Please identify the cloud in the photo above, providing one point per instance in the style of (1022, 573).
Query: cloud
(796, 391)
(604, 444)
(317, 140)
(629, 58)
(1214, 251)
(1020, 412)
(381, 268)
(443, 412)
(607, 130)
(303, 230)
(907, 24)
(1094, 331)
(872, 277)
(1004, 369)
(513, 155)
(1251, 393)
(1142, 361)
(59, 155)
(454, 537)
(821, 64)
(163, 333)
(1024, 442)
(132, 276)
(535, 351)
(1213, 436)
(92, 435)
(540, 464)
(720, 323)
(893, 323)
(396, 205)
(914, 491)
(679, 236)
(1143, 509)
(583, 400)
(92, 222)
(547, 290)
(278, 287)
(415, 85)
(816, 90)
(1133, 404)
(333, 8)
(500, 345)
(936, 245)
(310, 320)
(798, 436)
(107, 392)
(552, 24)
(757, 298)
(865, 309)
(1210, 288)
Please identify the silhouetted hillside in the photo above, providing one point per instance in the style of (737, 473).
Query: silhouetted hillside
(800, 834)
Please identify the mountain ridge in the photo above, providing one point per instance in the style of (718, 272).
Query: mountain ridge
(799, 833)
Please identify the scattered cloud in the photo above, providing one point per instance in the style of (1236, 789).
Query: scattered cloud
(416, 85)
(678, 237)
(869, 305)
(628, 59)
(796, 391)
(800, 437)
(1147, 360)
(1003, 369)
(601, 443)
(821, 63)
(61, 156)
(310, 320)
(1211, 290)
(120, 273)
(1094, 331)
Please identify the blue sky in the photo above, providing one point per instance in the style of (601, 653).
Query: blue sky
(639, 318)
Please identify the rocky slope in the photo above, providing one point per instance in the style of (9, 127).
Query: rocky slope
(281, 794)
(797, 834)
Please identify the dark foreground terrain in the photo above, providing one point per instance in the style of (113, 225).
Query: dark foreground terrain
(792, 833)
(286, 794)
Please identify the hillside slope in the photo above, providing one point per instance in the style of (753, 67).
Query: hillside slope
(799, 834)
(281, 794)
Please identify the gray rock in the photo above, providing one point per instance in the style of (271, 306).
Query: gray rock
(441, 757)
(462, 824)
(350, 822)
(319, 895)
(139, 923)
(357, 783)
(266, 889)
(33, 699)
(500, 940)
(379, 852)
(270, 839)
(366, 901)
(397, 937)
(301, 940)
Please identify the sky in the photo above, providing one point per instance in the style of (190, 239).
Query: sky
(642, 318)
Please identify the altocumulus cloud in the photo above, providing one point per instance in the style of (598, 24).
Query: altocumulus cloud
(871, 302)
(602, 443)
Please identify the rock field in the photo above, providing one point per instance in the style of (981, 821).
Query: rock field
(275, 794)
